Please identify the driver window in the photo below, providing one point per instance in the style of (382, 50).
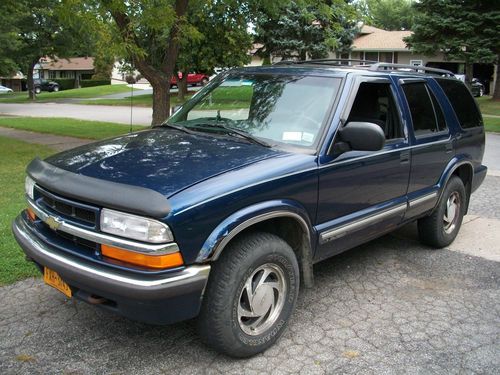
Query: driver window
(375, 103)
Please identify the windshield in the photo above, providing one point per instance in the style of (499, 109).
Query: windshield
(287, 109)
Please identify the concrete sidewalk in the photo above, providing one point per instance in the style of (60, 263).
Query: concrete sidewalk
(57, 142)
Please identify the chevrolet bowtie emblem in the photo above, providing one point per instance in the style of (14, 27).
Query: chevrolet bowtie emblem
(53, 223)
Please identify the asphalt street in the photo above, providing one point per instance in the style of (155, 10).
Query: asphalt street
(119, 114)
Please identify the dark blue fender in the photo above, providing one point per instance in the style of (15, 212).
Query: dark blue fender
(251, 215)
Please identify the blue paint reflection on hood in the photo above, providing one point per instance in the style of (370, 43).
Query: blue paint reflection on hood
(164, 159)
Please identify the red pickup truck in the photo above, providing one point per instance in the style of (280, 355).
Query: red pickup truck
(192, 79)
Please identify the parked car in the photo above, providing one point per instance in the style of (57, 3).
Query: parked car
(193, 79)
(5, 90)
(40, 85)
(477, 88)
(221, 212)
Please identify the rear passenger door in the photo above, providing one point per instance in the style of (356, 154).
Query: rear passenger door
(432, 146)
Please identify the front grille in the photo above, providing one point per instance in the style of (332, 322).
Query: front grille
(79, 241)
(68, 209)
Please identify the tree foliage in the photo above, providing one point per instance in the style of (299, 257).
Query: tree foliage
(36, 29)
(464, 30)
(306, 28)
(388, 14)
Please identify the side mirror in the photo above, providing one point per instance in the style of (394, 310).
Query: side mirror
(363, 136)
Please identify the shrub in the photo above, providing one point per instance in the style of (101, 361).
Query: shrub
(65, 83)
(94, 82)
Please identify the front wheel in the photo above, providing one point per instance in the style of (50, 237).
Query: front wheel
(440, 229)
(55, 89)
(204, 81)
(250, 295)
(38, 90)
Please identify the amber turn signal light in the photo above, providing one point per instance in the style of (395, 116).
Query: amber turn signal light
(140, 259)
(31, 214)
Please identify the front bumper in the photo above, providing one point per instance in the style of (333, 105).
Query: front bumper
(156, 299)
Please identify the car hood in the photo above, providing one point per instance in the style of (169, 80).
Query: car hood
(162, 159)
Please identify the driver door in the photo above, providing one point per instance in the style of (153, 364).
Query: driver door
(362, 194)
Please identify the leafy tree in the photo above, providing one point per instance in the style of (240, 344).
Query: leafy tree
(221, 40)
(388, 14)
(36, 30)
(306, 28)
(464, 30)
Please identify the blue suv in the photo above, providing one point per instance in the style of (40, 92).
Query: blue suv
(223, 210)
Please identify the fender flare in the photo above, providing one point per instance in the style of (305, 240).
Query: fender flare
(456, 162)
(244, 218)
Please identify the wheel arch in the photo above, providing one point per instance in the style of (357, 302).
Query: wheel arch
(461, 167)
(286, 219)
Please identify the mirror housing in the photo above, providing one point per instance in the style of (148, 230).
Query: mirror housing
(363, 136)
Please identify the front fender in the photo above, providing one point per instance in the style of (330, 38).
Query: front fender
(249, 216)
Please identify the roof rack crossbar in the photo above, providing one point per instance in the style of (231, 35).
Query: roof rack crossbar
(324, 61)
(390, 66)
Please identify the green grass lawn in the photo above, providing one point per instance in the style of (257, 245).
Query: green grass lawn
(489, 106)
(67, 126)
(137, 101)
(492, 124)
(83, 93)
(14, 156)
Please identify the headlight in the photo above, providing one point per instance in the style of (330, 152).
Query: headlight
(29, 186)
(135, 227)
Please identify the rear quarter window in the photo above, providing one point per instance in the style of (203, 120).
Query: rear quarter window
(462, 102)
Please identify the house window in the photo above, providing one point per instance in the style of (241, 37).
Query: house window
(62, 74)
(385, 57)
(372, 56)
(345, 56)
(52, 74)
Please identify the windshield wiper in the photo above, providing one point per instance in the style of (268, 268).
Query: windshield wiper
(181, 128)
(234, 131)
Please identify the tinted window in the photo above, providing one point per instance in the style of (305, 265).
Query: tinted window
(462, 102)
(441, 122)
(422, 110)
(375, 103)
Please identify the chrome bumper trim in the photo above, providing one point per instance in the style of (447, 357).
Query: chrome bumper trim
(56, 223)
(185, 276)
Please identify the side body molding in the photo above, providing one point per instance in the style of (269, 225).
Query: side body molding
(257, 213)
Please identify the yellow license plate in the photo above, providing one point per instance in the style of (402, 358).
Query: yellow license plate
(54, 280)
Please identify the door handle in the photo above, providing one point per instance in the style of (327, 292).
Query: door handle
(404, 157)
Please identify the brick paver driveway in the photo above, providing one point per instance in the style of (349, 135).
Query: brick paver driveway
(391, 306)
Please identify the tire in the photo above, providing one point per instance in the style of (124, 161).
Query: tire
(440, 229)
(38, 90)
(224, 322)
(204, 81)
(481, 92)
(55, 89)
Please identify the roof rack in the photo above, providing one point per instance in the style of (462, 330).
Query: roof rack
(336, 62)
(418, 69)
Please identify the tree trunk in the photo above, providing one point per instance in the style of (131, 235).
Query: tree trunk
(161, 100)
(496, 89)
(182, 86)
(469, 72)
(31, 88)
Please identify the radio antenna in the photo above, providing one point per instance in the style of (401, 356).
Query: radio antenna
(131, 104)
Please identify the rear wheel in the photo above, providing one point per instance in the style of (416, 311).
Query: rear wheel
(440, 229)
(204, 81)
(38, 90)
(250, 295)
(55, 89)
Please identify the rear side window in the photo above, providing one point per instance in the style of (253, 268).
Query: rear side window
(462, 102)
(426, 114)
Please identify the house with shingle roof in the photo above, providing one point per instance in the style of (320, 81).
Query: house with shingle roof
(78, 68)
(376, 44)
